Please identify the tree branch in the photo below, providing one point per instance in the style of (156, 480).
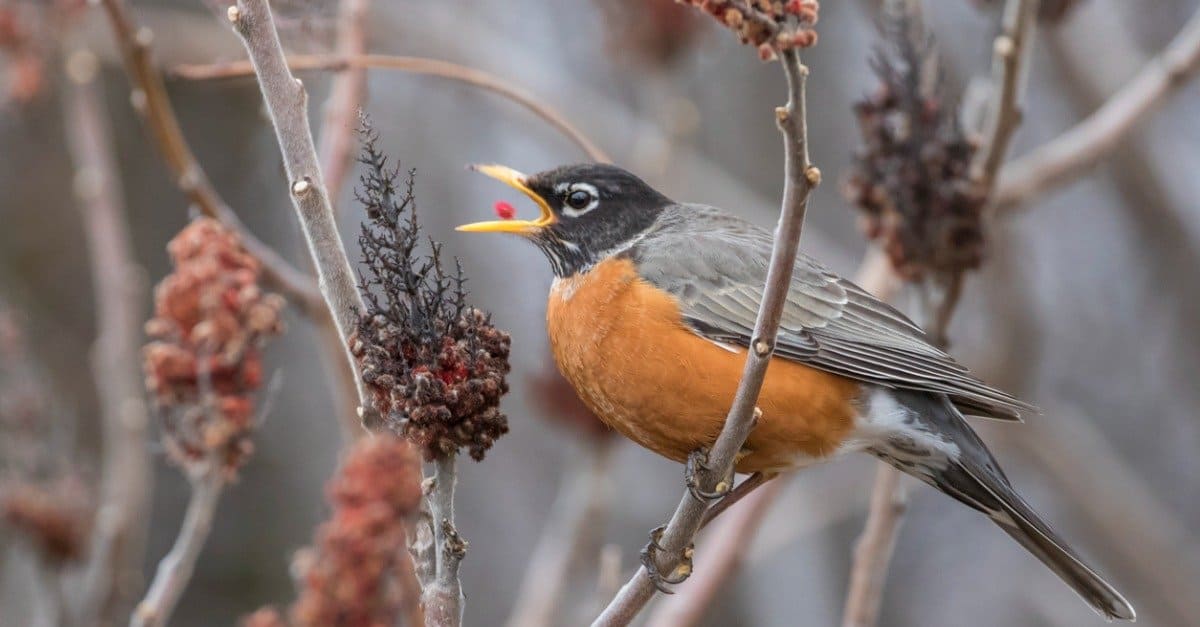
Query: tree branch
(336, 142)
(414, 65)
(175, 570)
(443, 597)
(721, 559)
(801, 177)
(1010, 57)
(286, 101)
(150, 100)
(118, 540)
(1076, 151)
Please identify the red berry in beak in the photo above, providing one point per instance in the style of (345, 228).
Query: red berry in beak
(504, 210)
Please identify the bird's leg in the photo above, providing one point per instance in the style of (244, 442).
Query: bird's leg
(649, 557)
(697, 463)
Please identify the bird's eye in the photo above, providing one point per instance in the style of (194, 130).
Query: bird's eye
(579, 199)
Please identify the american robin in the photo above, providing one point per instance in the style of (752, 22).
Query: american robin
(650, 315)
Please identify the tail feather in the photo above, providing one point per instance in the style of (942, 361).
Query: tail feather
(971, 475)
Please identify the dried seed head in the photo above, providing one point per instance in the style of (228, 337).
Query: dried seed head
(768, 25)
(349, 576)
(435, 366)
(910, 177)
(204, 360)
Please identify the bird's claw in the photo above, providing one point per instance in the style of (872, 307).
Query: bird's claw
(649, 557)
(696, 463)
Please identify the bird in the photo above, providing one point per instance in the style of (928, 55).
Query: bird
(650, 316)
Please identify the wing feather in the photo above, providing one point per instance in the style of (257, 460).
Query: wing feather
(716, 265)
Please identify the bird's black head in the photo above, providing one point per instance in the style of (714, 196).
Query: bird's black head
(588, 211)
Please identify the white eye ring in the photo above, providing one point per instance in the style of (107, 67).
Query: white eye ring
(591, 190)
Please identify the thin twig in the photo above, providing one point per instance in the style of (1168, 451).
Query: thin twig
(150, 100)
(113, 569)
(414, 65)
(578, 512)
(873, 551)
(286, 101)
(175, 570)
(443, 597)
(1010, 56)
(801, 177)
(1076, 151)
(336, 141)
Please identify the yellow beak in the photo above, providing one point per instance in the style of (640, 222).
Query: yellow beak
(521, 227)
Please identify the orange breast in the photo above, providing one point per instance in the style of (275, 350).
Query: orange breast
(622, 343)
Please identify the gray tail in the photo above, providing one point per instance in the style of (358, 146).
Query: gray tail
(974, 478)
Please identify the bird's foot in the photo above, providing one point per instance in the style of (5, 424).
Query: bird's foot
(650, 560)
(697, 462)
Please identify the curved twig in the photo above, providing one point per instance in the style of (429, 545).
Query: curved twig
(175, 570)
(1076, 151)
(413, 65)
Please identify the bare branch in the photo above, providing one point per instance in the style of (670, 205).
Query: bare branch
(721, 559)
(414, 65)
(873, 551)
(150, 100)
(1010, 56)
(1076, 151)
(578, 512)
(336, 141)
(175, 570)
(442, 597)
(118, 538)
(286, 101)
(801, 177)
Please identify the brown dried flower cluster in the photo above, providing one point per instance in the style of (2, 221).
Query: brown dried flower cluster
(911, 177)
(348, 578)
(771, 25)
(210, 321)
(435, 366)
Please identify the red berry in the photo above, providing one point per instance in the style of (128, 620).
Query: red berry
(505, 210)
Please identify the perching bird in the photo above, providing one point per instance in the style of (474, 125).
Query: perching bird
(652, 310)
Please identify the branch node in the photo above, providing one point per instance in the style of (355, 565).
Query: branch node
(301, 187)
(144, 37)
(137, 100)
(812, 174)
(762, 348)
(1004, 47)
(233, 13)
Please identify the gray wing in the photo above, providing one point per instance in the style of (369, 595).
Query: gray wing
(716, 266)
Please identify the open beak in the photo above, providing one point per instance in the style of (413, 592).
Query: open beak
(520, 227)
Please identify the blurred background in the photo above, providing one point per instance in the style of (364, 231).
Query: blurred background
(1086, 303)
